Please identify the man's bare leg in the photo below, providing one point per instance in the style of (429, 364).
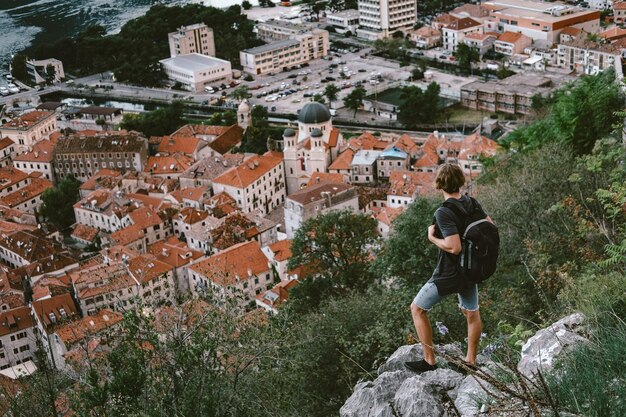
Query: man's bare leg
(424, 332)
(474, 329)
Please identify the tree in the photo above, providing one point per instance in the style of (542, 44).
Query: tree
(339, 244)
(417, 73)
(331, 92)
(159, 122)
(50, 74)
(318, 98)
(18, 67)
(354, 100)
(58, 202)
(241, 92)
(465, 56)
(419, 106)
(246, 5)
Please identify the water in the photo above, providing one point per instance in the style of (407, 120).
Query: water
(26, 22)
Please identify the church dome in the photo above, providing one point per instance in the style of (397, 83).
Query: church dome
(314, 113)
(316, 133)
(289, 132)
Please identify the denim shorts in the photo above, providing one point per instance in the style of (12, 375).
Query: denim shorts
(428, 296)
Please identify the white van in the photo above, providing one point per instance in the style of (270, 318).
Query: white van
(209, 89)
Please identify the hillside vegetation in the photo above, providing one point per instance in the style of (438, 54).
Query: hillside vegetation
(559, 198)
(133, 54)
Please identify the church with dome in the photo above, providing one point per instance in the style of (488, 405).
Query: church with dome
(312, 147)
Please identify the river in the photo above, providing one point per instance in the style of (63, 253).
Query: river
(26, 22)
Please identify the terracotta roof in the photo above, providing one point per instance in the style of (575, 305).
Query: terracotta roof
(570, 31)
(212, 167)
(367, 141)
(28, 120)
(15, 320)
(36, 187)
(191, 215)
(480, 36)
(7, 227)
(221, 204)
(147, 267)
(114, 141)
(509, 37)
(319, 177)
(94, 180)
(179, 144)
(446, 19)
(281, 250)
(11, 300)
(176, 163)
(614, 33)
(6, 142)
(43, 151)
(388, 214)
(91, 281)
(619, 5)
(10, 176)
(230, 138)
(238, 227)
(236, 263)
(475, 144)
(127, 235)
(473, 10)
(343, 161)
(29, 245)
(333, 138)
(85, 233)
(406, 144)
(427, 32)
(251, 170)
(51, 286)
(145, 217)
(316, 192)
(200, 130)
(190, 193)
(464, 23)
(51, 311)
(174, 252)
(277, 295)
(78, 330)
(409, 183)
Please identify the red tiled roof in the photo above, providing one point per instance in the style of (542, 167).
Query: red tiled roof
(176, 163)
(36, 187)
(233, 264)
(230, 138)
(84, 232)
(509, 37)
(251, 170)
(43, 151)
(50, 308)
(343, 161)
(319, 177)
(27, 120)
(15, 320)
(182, 144)
(78, 330)
(281, 250)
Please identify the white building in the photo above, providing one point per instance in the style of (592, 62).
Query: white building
(195, 71)
(191, 39)
(257, 184)
(381, 18)
(29, 128)
(363, 167)
(344, 21)
(455, 32)
(45, 69)
(17, 338)
(287, 53)
(313, 148)
(316, 200)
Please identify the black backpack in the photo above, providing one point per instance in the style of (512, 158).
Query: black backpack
(479, 243)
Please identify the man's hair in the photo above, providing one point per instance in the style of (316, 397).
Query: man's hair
(449, 178)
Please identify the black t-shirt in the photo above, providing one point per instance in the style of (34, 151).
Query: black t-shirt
(446, 276)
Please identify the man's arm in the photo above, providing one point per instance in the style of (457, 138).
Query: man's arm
(450, 244)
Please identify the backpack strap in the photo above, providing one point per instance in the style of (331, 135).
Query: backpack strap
(459, 215)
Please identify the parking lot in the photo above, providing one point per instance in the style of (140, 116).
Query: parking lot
(288, 91)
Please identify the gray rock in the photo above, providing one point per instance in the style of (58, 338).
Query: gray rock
(373, 399)
(402, 354)
(415, 398)
(539, 352)
(471, 396)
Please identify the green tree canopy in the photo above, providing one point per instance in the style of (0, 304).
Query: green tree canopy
(160, 122)
(354, 100)
(330, 92)
(419, 106)
(241, 92)
(58, 202)
(465, 56)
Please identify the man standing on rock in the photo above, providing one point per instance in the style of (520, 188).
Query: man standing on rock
(446, 279)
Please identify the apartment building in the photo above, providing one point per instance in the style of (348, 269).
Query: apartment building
(588, 57)
(316, 200)
(619, 12)
(23, 248)
(511, 43)
(28, 198)
(344, 21)
(83, 156)
(39, 70)
(29, 129)
(274, 30)
(457, 30)
(7, 151)
(391, 159)
(17, 338)
(241, 271)
(39, 160)
(191, 39)
(539, 20)
(426, 37)
(381, 18)
(483, 42)
(363, 167)
(195, 71)
(284, 54)
(257, 184)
